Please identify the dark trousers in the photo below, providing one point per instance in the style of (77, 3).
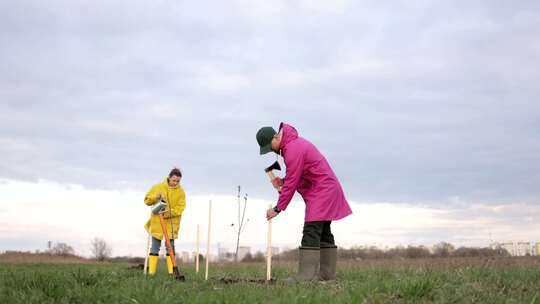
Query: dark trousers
(318, 234)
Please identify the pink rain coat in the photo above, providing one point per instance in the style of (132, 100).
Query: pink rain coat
(309, 173)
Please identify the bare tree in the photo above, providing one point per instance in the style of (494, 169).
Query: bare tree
(62, 249)
(443, 249)
(100, 249)
(241, 224)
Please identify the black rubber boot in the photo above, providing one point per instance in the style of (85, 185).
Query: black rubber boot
(328, 263)
(308, 265)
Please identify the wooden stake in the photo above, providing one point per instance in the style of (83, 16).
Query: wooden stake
(148, 240)
(197, 252)
(208, 239)
(269, 251)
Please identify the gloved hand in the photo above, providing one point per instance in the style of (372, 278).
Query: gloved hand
(159, 207)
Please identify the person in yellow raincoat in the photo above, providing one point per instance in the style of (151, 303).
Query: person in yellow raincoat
(171, 200)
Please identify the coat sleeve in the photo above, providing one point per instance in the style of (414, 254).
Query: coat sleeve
(151, 196)
(177, 209)
(294, 160)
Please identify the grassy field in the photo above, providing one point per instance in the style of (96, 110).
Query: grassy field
(455, 280)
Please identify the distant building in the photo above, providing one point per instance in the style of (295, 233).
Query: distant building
(243, 251)
(523, 249)
(224, 255)
(185, 256)
(508, 246)
(537, 249)
(518, 248)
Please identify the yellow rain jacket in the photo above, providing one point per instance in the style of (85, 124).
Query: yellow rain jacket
(176, 203)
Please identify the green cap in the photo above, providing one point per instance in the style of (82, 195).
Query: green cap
(264, 138)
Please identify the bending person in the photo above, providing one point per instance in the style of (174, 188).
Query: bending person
(309, 173)
(170, 201)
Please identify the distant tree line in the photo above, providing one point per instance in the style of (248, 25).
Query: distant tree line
(60, 249)
(442, 249)
(100, 249)
(257, 257)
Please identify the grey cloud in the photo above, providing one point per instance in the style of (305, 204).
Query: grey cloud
(409, 102)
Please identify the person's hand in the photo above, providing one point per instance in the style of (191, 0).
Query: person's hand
(158, 197)
(277, 182)
(270, 214)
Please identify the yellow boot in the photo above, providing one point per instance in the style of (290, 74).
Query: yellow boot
(152, 264)
(169, 265)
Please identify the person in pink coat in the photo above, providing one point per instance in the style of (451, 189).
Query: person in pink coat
(309, 173)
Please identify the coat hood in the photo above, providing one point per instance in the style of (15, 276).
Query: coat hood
(309, 173)
(166, 183)
(289, 134)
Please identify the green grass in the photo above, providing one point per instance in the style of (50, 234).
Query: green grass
(357, 283)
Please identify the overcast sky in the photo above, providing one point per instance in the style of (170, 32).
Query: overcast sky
(433, 104)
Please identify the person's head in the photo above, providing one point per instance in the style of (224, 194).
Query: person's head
(268, 140)
(174, 177)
